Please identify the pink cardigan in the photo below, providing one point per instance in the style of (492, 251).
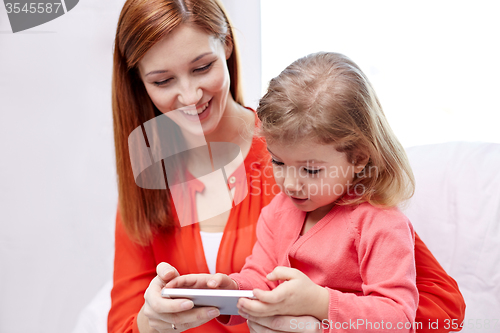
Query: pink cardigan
(363, 255)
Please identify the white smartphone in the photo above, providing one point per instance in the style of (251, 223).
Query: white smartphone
(225, 300)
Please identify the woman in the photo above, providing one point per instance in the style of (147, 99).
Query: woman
(171, 54)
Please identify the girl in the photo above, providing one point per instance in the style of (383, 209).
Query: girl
(332, 245)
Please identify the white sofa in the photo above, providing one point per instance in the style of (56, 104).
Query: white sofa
(456, 212)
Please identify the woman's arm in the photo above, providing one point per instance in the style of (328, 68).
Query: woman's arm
(440, 299)
(134, 269)
(135, 298)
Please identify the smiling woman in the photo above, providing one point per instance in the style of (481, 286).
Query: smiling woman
(181, 62)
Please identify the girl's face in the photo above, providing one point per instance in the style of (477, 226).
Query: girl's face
(312, 175)
(188, 68)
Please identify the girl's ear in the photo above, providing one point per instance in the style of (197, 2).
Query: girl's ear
(360, 162)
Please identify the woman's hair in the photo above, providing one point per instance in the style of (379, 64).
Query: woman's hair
(141, 25)
(327, 98)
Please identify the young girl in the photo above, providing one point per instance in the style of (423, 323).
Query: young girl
(332, 245)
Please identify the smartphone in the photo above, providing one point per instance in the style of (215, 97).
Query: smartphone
(225, 300)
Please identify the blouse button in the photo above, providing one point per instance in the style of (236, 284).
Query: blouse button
(232, 180)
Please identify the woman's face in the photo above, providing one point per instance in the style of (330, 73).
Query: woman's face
(188, 68)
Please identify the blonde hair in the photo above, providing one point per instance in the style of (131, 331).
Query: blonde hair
(326, 97)
(141, 25)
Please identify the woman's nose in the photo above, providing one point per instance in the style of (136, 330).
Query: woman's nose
(189, 94)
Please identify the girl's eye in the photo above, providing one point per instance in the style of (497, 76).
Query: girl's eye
(313, 172)
(204, 68)
(161, 83)
(273, 161)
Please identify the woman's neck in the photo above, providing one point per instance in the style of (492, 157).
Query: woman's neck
(236, 126)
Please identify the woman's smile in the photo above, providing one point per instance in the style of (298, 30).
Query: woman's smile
(197, 114)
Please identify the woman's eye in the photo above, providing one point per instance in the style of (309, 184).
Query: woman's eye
(161, 83)
(204, 68)
(313, 171)
(273, 161)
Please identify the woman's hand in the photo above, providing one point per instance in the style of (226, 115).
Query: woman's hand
(304, 324)
(296, 296)
(160, 314)
(203, 281)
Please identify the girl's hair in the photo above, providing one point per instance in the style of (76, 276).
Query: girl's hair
(141, 25)
(327, 98)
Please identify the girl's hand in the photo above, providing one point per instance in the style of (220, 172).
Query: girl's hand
(203, 281)
(304, 324)
(297, 296)
(160, 314)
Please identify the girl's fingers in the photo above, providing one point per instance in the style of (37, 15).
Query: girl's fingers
(284, 273)
(276, 295)
(255, 307)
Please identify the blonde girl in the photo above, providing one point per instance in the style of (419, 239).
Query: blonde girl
(333, 244)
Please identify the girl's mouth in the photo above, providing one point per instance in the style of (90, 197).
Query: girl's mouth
(298, 201)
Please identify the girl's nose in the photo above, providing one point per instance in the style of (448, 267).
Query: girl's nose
(291, 182)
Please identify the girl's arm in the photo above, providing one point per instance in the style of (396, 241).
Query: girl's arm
(384, 247)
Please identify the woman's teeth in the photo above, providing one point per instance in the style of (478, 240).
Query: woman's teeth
(194, 112)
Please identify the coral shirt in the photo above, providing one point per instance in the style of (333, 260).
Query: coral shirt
(135, 265)
(352, 251)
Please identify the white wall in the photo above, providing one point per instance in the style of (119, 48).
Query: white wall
(245, 16)
(58, 192)
(433, 64)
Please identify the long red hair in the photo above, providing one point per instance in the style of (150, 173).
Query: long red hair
(141, 25)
